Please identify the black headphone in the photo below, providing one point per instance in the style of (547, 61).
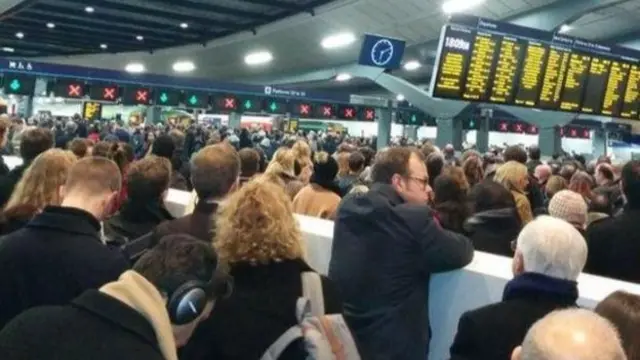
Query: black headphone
(189, 299)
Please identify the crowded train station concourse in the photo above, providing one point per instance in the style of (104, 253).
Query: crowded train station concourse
(319, 179)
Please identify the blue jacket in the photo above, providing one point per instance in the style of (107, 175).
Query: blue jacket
(384, 252)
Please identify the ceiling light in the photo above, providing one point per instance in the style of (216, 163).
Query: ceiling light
(89, 9)
(103, 46)
(456, 6)
(343, 77)
(412, 65)
(19, 35)
(258, 58)
(564, 29)
(338, 40)
(8, 49)
(139, 37)
(183, 66)
(400, 97)
(184, 25)
(134, 68)
(51, 25)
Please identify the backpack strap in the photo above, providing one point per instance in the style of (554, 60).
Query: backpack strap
(282, 343)
(312, 290)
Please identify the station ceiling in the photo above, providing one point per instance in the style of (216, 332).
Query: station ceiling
(294, 40)
(74, 27)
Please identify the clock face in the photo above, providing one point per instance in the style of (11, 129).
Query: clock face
(382, 52)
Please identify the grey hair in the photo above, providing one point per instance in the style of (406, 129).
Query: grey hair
(552, 247)
(572, 333)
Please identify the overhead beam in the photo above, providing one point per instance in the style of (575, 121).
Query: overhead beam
(276, 4)
(187, 4)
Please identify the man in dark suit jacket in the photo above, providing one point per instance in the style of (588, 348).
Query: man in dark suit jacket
(214, 173)
(59, 254)
(33, 142)
(386, 245)
(127, 319)
(614, 244)
(550, 254)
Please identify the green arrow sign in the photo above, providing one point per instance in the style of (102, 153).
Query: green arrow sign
(472, 124)
(273, 106)
(193, 100)
(248, 104)
(15, 85)
(414, 119)
(164, 97)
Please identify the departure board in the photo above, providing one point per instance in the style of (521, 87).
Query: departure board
(631, 98)
(614, 93)
(454, 61)
(502, 90)
(480, 65)
(554, 74)
(575, 82)
(497, 62)
(596, 84)
(531, 75)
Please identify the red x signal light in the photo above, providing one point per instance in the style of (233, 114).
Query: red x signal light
(504, 126)
(305, 109)
(142, 95)
(74, 90)
(370, 114)
(109, 93)
(327, 111)
(349, 113)
(229, 103)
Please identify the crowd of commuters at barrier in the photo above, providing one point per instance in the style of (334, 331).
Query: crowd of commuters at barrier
(94, 266)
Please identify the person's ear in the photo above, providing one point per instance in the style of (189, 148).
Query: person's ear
(518, 263)
(517, 353)
(397, 182)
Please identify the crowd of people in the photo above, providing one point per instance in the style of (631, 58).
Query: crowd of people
(93, 265)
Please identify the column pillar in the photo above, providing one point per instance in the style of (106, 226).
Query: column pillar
(482, 135)
(153, 115)
(449, 132)
(599, 143)
(549, 141)
(25, 106)
(411, 132)
(234, 120)
(384, 127)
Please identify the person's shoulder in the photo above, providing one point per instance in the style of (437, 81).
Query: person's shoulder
(40, 322)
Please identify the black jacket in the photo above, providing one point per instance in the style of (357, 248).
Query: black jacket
(199, 224)
(261, 308)
(8, 182)
(94, 326)
(493, 230)
(4, 169)
(384, 252)
(134, 220)
(614, 246)
(53, 259)
(493, 331)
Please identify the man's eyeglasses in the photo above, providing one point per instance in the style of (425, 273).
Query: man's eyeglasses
(422, 181)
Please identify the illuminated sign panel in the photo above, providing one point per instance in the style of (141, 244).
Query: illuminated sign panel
(69, 89)
(166, 97)
(92, 110)
(104, 92)
(19, 84)
(137, 96)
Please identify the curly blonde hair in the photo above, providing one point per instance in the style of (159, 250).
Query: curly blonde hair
(256, 225)
(40, 183)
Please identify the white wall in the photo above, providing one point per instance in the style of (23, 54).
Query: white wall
(580, 146)
(70, 108)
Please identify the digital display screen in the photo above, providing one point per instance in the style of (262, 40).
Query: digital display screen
(69, 89)
(368, 114)
(348, 112)
(301, 109)
(325, 111)
(196, 100)
(92, 110)
(275, 106)
(104, 92)
(497, 62)
(226, 103)
(19, 84)
(137, 96)
(166, 97)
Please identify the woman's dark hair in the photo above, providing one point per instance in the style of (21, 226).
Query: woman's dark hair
(121, 153)
(489, 195)
(435, 163)
(450, 202)
(622, 309)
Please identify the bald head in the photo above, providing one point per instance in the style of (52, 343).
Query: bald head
(571, 334)
(542, 173)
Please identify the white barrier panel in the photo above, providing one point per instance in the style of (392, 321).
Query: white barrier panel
(451, 294)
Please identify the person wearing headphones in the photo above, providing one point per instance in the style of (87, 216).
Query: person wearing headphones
(147, 313)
